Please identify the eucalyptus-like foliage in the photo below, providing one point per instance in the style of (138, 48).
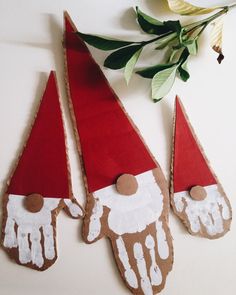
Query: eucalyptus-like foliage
(180, 42)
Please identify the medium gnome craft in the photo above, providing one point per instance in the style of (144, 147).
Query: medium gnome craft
(127, 194)
(196, 194)
(39, 187)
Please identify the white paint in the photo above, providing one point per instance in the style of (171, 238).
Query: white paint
(36, 248)
(132, 214)
(95, 223)
(23, 64)
(23, 245)
(142, 268)
(212, 211)
(10, 240)
(29, 226)
(155, 272)
(163, 248)
(49, 249)
(74, 208)
(123, 255)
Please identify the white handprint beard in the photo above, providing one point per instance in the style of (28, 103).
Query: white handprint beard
(129, 214)
(137, 228)
(209, 216)
(26, 231)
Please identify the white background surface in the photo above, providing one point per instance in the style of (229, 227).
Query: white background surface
(30, 46)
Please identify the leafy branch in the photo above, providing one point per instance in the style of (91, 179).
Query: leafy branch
(181, 42)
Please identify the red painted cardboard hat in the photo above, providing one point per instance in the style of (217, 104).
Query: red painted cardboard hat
(190, 167)
(109, 142)
(42, 167)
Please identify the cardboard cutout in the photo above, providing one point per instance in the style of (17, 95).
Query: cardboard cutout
(196, 194)
(39, 187)
(127, 194)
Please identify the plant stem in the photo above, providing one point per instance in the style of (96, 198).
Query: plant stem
(170, 36)
(207, 20)
(215, 16)
(231, 6)
(191, 27)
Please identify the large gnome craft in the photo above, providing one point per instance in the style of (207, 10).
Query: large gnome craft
(196, 194)
(39, 187)
(127, 194)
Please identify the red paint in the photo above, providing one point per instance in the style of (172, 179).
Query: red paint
(110, 144)
(190, 166)
(42, 167)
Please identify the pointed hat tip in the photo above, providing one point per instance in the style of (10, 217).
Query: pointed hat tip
(177, 100)
(35, 158)
(190, 167)
(179, 105)
(52, 73)
(68, 23)
(52, 76)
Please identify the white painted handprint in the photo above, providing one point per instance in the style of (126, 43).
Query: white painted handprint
(197, 197)
(136, 226)
(127, 194)
(209, 216)
(39, 187)
(31, 236)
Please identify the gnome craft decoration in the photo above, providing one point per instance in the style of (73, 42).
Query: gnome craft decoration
(196, 194)
(127, 194)
(39, 187)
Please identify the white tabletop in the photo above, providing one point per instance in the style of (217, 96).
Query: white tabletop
(30, 46)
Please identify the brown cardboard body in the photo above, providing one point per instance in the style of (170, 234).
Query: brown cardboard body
(129, 239)
(14, 252)
(183, 217)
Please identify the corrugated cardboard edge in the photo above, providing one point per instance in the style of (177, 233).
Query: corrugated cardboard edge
(71, 196)
(182, 215)
(90, 199)
(13, 253)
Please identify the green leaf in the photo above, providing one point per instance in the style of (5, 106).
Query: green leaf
(191, 42)
(192, 47)
(119, 58)
(150, 72)
(182, 69)
(184, 56)
(162, 83)
(129, 68)
(165, 41)
(182, 36)
(151, 25)
(175, 53)
(148, 18)
(103, 43)
(173, 25)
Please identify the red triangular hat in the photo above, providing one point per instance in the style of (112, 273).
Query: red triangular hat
(190, 167)
(42, 167)
(109, 142)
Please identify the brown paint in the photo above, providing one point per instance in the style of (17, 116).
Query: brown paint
(182, 215)
(127, 184)
(33, 203)
(129, 239)
(13, 253)
(198, 193)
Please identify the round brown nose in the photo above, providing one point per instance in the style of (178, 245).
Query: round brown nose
(33, 203)
(127, 184)
(198, 193)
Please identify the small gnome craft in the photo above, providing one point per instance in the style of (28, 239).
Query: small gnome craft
(127, 194)
(196, 194)
(39, 188)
